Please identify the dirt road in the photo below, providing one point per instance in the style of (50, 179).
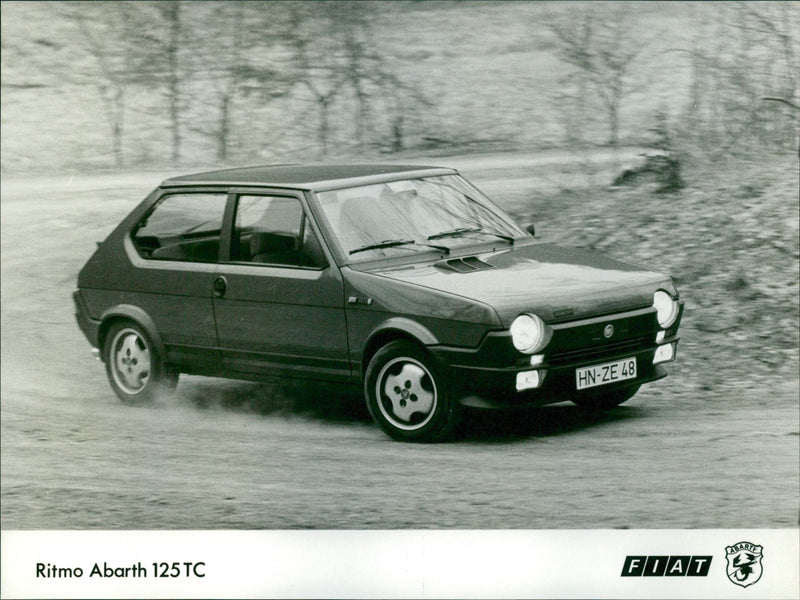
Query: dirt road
(240, 455)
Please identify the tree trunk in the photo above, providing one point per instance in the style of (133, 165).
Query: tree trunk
(117, 112)
(224, 128)
(173, 16)
(613, 120)
(397, 133)
(324, 123)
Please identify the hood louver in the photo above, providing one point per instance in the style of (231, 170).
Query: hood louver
(469, 264)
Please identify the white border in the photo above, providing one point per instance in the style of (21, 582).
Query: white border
(392, 564)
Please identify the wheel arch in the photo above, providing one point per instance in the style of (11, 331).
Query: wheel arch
(128, 312)
(397, 328)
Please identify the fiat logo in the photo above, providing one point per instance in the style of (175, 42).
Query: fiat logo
(608, 331)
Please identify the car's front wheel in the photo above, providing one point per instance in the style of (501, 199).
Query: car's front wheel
(407, 396)
(602, 401)
(135, 369)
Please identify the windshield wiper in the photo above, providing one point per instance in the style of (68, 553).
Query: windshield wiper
(454, 232)
(395, 243)
(462, 230)
(502, 236)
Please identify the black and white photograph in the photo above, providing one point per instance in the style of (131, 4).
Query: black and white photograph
(347, 271)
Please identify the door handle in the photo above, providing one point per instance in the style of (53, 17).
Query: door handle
(220, 286)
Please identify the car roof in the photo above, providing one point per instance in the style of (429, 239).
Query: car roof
(317, 177)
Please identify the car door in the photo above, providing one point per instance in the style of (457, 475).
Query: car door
(278, 299)
(174, 251)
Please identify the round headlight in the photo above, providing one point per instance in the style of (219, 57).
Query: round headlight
(529, 333)
(666, 308)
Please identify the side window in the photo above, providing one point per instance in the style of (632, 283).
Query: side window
(273, 230)
(182, 227)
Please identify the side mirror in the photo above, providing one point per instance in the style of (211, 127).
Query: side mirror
(530, 228)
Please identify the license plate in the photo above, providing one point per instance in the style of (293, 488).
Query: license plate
(619, 370)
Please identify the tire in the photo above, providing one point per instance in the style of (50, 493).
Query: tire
(135, 369)
(407, 396)
(603, 401)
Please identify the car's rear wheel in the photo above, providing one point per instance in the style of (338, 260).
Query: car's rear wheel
(602, 401)
(407, 396)
(135, 369)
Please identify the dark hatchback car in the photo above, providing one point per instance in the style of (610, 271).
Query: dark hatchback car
(405, 280)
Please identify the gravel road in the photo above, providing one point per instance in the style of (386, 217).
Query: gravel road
(225, 454)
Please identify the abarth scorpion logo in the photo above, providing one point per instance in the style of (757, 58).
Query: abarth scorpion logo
(608, 331)
(744, 563)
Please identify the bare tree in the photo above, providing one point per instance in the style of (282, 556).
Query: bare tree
(156, 36)
(230, 19)
(134, 45)
(107, 41)
(320, 66)
(234, 73)
(745, 79)
(774, 25)
(353, 27)
(346, 72)
(172, 15)
(601, 50)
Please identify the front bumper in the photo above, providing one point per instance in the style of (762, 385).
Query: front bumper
(486, 377)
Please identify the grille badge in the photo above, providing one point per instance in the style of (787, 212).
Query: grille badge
(608, 331)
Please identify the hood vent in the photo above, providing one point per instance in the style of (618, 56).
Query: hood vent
(469, 264)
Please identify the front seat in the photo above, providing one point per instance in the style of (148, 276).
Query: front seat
(273, 248)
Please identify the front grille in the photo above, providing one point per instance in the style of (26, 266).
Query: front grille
(600, 352)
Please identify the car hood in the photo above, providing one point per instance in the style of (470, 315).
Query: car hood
(558, 284)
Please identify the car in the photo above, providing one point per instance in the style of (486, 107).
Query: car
(404, 280)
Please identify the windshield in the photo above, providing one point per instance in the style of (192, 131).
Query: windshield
(401, 217)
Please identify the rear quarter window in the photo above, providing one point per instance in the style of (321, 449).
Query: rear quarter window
(184, 227)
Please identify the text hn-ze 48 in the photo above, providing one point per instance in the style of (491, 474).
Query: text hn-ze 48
(405, 280)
